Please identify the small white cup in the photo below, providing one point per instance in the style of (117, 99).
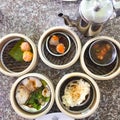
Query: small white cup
(22, 112)
(9, 38)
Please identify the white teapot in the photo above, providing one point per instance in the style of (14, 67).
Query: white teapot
(93, 15)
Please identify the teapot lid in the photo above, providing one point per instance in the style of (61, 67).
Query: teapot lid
(97, 11)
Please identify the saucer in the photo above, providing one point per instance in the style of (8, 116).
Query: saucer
(55, 116)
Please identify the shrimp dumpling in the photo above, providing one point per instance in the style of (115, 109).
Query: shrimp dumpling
(22, 94)
(46, 92)
(54, 40)
(31, 83)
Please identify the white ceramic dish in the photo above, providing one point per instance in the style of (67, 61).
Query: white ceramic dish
(9, 38)
(76, 42)
(116, 69)
(55, 116)
(93, 105)
(22, 112)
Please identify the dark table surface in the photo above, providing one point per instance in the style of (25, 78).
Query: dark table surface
(32, 18)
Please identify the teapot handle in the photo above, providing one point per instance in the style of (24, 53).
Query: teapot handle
(116, 4)
(117, 9)
(118, 13)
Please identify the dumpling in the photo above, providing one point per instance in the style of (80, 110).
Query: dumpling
(46, 92)
(31, 83)
(22, 94)
(54, 40)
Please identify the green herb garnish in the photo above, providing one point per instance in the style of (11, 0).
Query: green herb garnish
(47, 99)
(16, 52)
(36, 99)
(43, 83)
(97, 50)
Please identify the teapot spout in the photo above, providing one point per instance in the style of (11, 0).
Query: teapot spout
(80, 24)
(67, 20)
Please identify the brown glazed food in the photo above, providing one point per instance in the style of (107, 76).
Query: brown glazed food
(102, 52)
